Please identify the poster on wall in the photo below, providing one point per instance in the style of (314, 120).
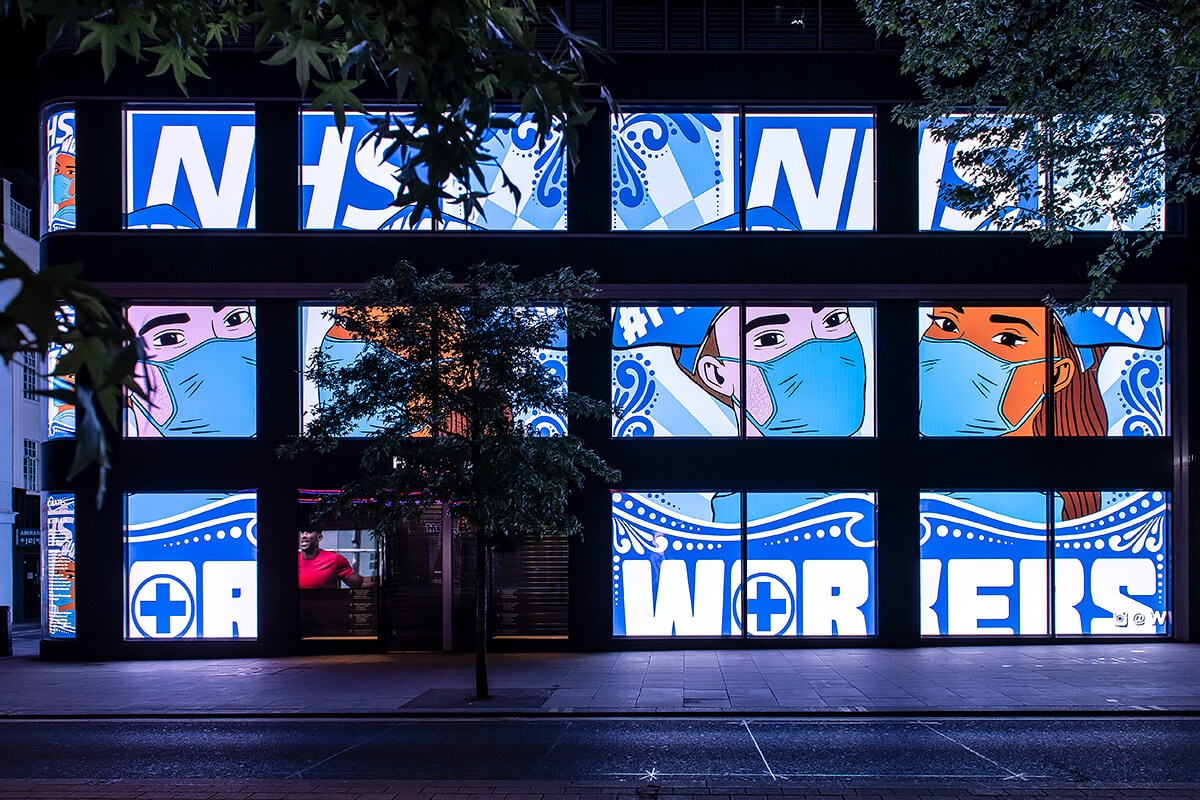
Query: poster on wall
(936, 168)
(199, 372)
(678, 569)
(678, 370)
(189, 169)
(983, 371)
(60, 566)
(338, 575)
(348, 182)
(985, 568)
(320, 333)
(60, 423)
(59, 191)
(191, 566)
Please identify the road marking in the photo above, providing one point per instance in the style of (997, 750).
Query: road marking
(1011, 775)
(300, 772)
(746, 725)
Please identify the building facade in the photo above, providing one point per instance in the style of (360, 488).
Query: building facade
(847, 418)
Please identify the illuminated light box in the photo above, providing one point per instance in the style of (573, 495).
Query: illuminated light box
(986, 567)
(319, 333)
(936, 168)
(983, 371)
(676, 371)
(189, 169)
(810, 172)
(347, 183)
(678, 570)
(191, 566)
(199, 372)
(59, 544)
(60, 422)
(59, 177)
(674, 172)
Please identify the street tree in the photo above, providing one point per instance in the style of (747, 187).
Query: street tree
(451, 382)
(455, 61)
(1082, 114)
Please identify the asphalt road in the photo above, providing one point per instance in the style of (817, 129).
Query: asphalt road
(1028, 751)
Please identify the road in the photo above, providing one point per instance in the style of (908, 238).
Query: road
(1159, 750)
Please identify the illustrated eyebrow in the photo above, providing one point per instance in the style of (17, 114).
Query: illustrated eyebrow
(1014, 320)
(773, 319)
(165, 319)
(959, 309)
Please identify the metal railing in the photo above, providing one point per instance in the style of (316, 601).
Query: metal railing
(20, 217)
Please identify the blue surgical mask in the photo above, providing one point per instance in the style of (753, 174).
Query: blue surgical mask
(963, 389)
(817, 388)
(60, 188)
(212, 388)
(343, 353)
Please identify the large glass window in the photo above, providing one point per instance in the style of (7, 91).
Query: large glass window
(199, 372)
(987, 563)
(191, 566)
(808, 370)
(59, 176)
(349, 183)
(60, 414)
(984, 371)
(678, 567)
(189, 169)
(59, 543)
(338, 572)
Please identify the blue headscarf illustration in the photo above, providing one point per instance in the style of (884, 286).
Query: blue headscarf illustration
(805, 369)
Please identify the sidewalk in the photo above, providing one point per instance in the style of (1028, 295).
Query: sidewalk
(1049, 679)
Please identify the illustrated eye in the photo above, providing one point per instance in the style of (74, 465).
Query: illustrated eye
(237, 318)
(835, 319)
(769, 339)
(167, 339)
(944, 323)
(1008, 339)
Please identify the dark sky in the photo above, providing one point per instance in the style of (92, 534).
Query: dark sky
(19, 51)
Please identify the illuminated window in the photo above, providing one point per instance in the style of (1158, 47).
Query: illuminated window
(59, 131)
(60, 565)
(191, 566)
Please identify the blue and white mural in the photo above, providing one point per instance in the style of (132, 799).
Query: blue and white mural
(678, 570)
(191, 566)
(983, 371)
(58, 190)
(348, 184)
(936, 168)
(189, 169)
(985, 568)
(808, 370)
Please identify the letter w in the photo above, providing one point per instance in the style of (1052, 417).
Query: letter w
(180, 146)
(672, 613)
(816, 207)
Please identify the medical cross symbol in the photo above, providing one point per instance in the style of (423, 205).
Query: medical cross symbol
(162, 607)
(763, 605)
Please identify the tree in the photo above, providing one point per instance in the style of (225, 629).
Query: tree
(449, 378)
(1100, 105)
(453, 59)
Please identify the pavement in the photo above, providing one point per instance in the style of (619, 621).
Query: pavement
(1135, 678)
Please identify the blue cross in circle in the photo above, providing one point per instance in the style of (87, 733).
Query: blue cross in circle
(162, 608)
(763, 605)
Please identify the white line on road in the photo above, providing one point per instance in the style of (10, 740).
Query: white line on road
(770, 772)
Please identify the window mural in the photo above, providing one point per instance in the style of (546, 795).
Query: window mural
(936, 168)
(319, 333)
(810, 172)
(986, 568)
(808, 370)
(189, 169)
(339, 575)
(347, 183)
(60, 414)
(199, 371)
(678, 570)
(191, 566)
(59, 543)
(59, 190)
(983, 371)
(675, 172)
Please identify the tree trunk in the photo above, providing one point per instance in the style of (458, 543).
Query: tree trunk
(481, 614)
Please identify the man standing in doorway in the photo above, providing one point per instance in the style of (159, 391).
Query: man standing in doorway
(322, 569)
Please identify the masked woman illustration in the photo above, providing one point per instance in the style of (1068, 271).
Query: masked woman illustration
(805, 370)
(62, 186)
(983, 373)
(199, 371)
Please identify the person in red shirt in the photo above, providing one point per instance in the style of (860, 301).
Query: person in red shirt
(321, 569)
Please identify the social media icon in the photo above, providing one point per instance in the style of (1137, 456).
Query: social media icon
(1122, 619)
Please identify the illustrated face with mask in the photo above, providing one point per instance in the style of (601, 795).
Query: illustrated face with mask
(805, 369)
(62, 184)
(983, 370)
(199, 371)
